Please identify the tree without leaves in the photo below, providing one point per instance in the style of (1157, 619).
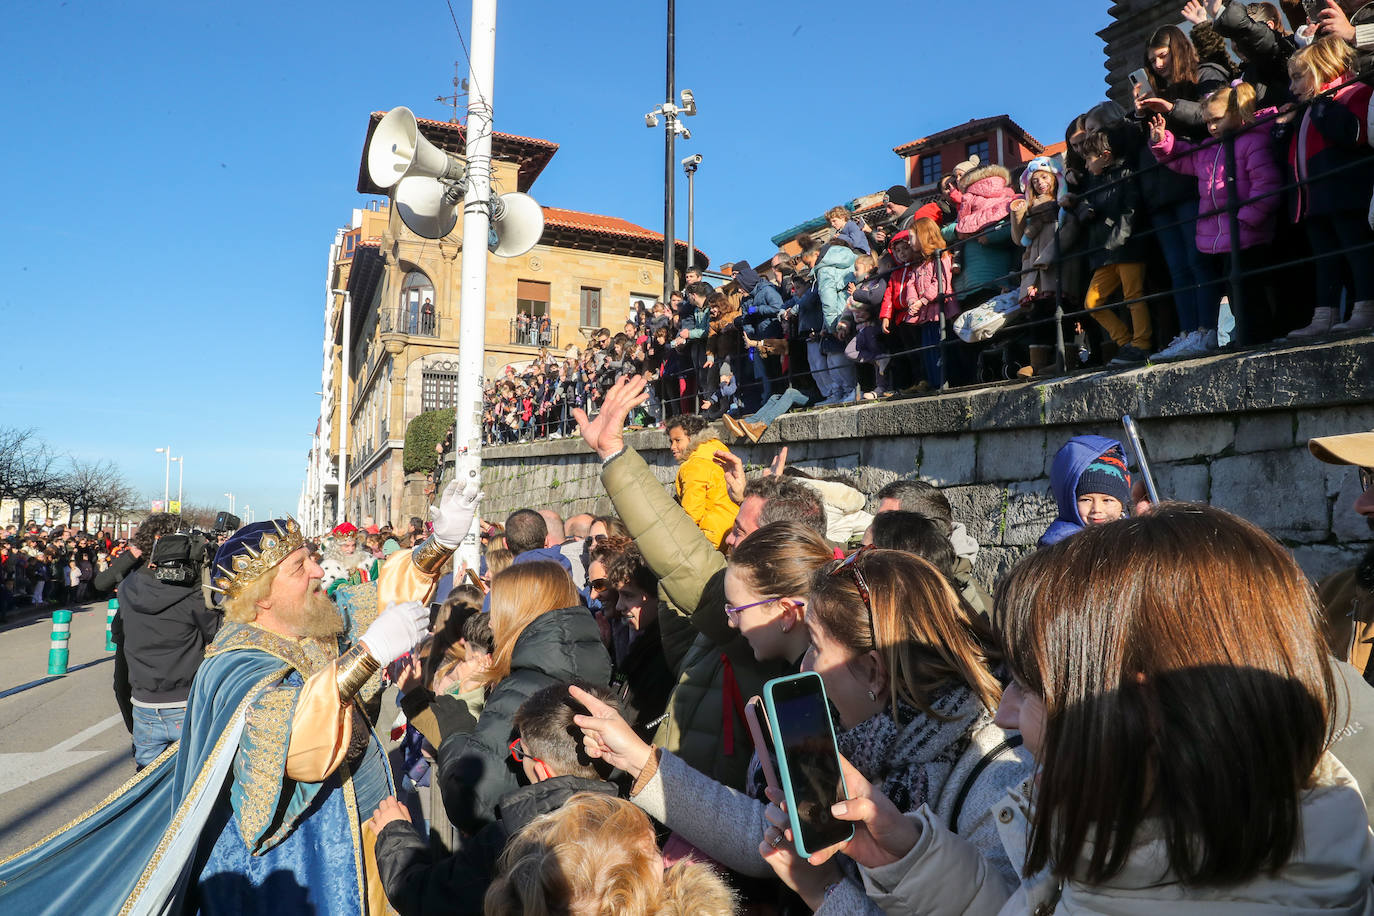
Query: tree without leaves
(27, 468)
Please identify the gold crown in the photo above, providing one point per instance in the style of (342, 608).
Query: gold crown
(272, 549)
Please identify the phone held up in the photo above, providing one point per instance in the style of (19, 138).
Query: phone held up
(756, 717)
(808, 760)
(1140, 84)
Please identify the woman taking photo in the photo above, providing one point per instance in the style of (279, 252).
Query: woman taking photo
(542, 635)
(1173, 685)
(906, 665)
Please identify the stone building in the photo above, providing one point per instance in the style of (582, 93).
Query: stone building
(402, 297)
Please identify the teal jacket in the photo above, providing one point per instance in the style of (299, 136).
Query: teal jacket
(833, 273)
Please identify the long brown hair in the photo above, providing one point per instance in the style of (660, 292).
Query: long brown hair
(927, 637)
(1184, 678)
(780, 558)
(519, 594)
(1182, 75)
(926, 239)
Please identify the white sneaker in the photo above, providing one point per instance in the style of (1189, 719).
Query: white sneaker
(1176, 345)
(1195, 346)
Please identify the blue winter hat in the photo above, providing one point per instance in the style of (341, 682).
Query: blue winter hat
(252, 551)
(746, 276)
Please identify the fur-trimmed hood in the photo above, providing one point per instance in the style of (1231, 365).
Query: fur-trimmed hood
(987, 197)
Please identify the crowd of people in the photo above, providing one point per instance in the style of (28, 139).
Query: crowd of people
(1228, 207)
(52, 565)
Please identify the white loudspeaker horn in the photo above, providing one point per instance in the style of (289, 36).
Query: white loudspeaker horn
(398, 150)
(518, 221)
(426, 206)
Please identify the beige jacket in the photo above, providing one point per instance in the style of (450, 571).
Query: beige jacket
(1330, 872)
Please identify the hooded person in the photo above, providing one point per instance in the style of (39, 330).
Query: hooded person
(1088, 474)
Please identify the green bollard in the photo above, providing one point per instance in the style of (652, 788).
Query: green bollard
(61, 636)
(111, 609)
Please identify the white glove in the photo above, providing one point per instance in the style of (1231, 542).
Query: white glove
(452, 516)
(396, 631)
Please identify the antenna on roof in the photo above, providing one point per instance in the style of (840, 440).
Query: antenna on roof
(460, 92)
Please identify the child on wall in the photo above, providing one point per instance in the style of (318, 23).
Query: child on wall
(1229, 110)
(1035, 226)
(918, 293)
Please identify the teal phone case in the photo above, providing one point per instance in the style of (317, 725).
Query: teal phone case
(780, 758)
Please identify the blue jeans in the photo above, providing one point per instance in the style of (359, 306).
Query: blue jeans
(1195, 307)
(778, 405)
(154, 731)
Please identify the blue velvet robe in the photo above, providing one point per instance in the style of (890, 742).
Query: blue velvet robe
(215, 825)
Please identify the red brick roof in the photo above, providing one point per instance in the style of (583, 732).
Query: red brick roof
(976, 125)
(530, 153)
(609, 226)
(1054, 149)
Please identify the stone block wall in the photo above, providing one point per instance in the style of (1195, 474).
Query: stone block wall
(1231, 431)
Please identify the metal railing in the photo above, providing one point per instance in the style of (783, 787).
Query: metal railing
(962, 365)
(416, 321)
(533, 333)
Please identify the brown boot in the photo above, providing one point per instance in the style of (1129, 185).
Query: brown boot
(1041, 358)
(733, 425)
(754, 431)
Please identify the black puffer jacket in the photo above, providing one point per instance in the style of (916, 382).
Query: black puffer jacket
(474, 765)
(165, 631)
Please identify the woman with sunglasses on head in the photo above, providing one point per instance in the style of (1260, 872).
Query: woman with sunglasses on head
(907, 667)
(1172, 683)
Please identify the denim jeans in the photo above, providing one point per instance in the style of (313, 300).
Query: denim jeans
(154, 731)
(778, 405)
(1195, 306)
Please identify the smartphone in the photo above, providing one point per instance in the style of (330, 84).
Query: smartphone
(1140, 84)
(808, 760)
(756, 717)
(476, 581)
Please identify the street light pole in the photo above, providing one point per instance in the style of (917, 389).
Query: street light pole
(166, 477)
(230, 497)
(672, 126)
(689, 165)
(181, 475)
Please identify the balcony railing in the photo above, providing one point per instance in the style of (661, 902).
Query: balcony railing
(416, 321)
(533, 334)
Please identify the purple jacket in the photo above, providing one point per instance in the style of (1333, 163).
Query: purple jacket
(1257, 187)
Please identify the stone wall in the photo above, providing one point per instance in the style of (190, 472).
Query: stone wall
(1231, 431)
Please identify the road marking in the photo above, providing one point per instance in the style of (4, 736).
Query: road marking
(18, 770)
(53, 677)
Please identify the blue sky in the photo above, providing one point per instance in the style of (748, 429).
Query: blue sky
(177, 172)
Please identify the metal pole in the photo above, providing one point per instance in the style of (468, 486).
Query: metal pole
(691, 217)
(167, 480)
(181, 475)
(669, 144)
(467, 438)
(1240, 331)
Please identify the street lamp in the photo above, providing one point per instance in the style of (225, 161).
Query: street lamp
(689, 165)
(247, 513)
(671, 128)
(230, 497)
(181, 475)
(167, 476)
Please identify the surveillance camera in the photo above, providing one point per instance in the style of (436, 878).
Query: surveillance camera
(650, 120)
(689, 103)
(692, 162)
(686, 134)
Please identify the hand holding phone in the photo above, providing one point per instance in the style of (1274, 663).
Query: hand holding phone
(756, 717)
(808, 760)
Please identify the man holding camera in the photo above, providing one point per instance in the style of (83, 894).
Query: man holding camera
(163, 627)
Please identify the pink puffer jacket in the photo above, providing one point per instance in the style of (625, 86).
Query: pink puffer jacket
(987, 198)
(1257, 180)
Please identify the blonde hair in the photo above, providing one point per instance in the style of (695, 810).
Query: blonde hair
(597, 856)
(1238, 101)
(867, 261)
(499, 559)
(1323, 61)
(243, 607)
(520, 594)
(837, 213)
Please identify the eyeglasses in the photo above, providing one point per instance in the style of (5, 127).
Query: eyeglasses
(850, 565)
(520, 755)
(733, 612)
(1366, 479)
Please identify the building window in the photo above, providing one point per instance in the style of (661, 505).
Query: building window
(417, 305)
(438, 390)
(930, 168)
(977, 148)
(590, 314)
(531, 298)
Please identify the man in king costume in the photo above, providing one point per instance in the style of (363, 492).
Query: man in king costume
(262, 806)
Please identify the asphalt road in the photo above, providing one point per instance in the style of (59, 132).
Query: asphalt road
(63, 746)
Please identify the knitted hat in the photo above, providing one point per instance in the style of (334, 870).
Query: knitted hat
(899, 194)
(969, 164)
(1107, 475)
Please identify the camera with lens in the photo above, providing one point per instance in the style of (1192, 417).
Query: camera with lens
(179, 558)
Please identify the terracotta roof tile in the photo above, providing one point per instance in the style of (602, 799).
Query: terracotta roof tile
(968, 127)
(577, 220)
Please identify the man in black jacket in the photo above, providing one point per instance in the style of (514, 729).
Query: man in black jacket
(165, 626)
(557, 769)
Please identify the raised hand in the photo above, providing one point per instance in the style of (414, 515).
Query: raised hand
(733, 466)
(1333, 21)
(1195, 12)
(452, 516)
(607, 736)
(606, 434)
(778, 465)
(1157, 128)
